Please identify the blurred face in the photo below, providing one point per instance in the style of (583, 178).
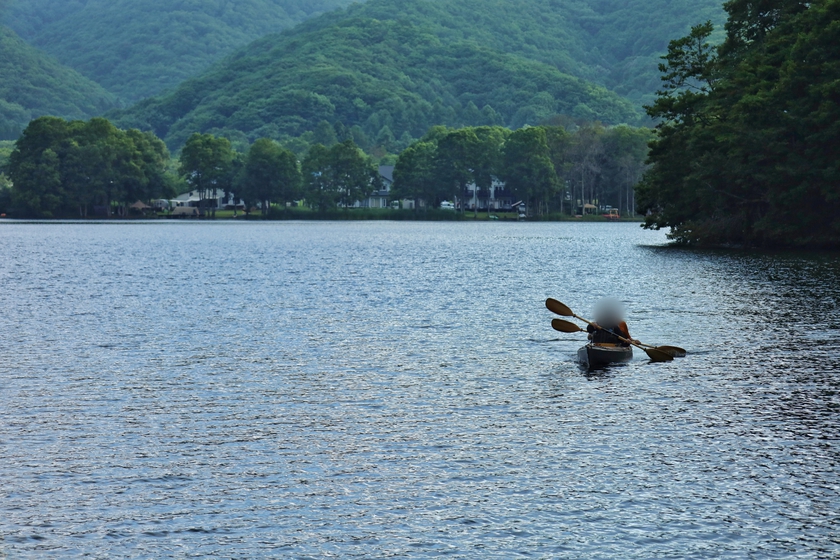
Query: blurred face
(609, 311)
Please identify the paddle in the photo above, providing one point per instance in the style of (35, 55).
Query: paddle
(565, 326)
(675, 351)
(556, 307)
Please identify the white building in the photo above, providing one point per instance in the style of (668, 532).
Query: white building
(499, 198)
(217, 199)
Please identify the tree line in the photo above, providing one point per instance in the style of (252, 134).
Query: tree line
(269, 174)
(746, 152)
(548, 167)
(64, 168)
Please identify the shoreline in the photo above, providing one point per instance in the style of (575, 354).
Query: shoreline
(339, 216)
(147, 221)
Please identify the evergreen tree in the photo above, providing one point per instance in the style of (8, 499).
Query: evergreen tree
(744, 154)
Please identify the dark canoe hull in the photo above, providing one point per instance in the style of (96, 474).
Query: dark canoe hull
(593, 355)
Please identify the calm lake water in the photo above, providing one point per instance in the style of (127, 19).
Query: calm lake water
(318, 390)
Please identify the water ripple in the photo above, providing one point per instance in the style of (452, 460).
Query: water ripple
(391, 390)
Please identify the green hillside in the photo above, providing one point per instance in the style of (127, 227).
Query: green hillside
(33, 84)
(616, 43)
(394, 68)
(138, 48)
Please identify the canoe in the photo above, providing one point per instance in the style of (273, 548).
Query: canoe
(594, 355)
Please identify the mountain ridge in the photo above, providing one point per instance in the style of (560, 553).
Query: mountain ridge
(377, 75)
(139, 48)
(34, 84)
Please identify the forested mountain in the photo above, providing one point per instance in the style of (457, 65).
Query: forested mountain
(33, 84)
(393, 68)
(616, 43)
(138, 48)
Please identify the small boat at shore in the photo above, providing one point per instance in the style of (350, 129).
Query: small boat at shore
(595, 355)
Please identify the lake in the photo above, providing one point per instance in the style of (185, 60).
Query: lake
(341, 390)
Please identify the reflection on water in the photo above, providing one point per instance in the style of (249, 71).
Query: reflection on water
(341, 390)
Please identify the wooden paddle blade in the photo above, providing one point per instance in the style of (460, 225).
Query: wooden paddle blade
(565, 326)
(674, 351)
(556, 307)
(658, 355)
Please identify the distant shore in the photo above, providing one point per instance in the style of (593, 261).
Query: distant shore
(354, 214)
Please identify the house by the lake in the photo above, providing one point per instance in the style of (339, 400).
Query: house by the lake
(217, 198)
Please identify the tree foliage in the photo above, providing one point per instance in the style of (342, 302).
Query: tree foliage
(528, 170)
(270, 173)
(547, 167)
(61, 168)
(207, 167)
(338, 176)
(746, 151)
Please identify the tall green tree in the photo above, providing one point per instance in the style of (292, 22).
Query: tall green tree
(414, 176)
(625, 151)
(352, 172)
(527, 167)
(455, 162)
(34, 168)
(270, 173)
(341, 175)
(206, 165)
(560, 143)
(318, 186)
(487, 158)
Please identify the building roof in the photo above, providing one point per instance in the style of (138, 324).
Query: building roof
(387, 172)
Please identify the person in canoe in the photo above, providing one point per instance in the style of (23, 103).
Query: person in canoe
(609, 315)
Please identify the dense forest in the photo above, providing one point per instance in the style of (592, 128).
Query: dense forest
(138, 48)
(389, 70)
(470, 63)
(747, 149)
(386, 80)
(33, 84)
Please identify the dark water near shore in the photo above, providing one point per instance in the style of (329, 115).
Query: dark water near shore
(378, 389)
